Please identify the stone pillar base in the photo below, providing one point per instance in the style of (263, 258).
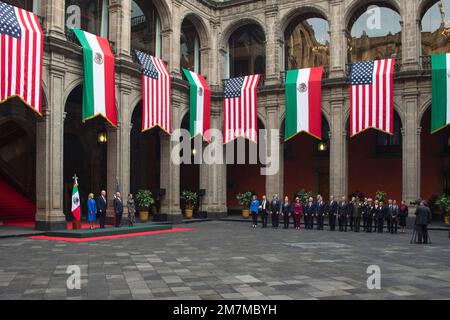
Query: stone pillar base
(176, 218)
(50, 225)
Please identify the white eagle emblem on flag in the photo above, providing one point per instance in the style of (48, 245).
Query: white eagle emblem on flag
(200, 91)
(302, 87)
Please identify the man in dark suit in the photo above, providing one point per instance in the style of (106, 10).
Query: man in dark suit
(357, 212)
(389, 214)
(118, 209)
(423, 219)
(332, 213)
(343, 215)
(381, 213)
(350, 216)
(309, 214)
(394, 217)
(364, 213)
(370, 212)
(102, 205)
(275, 207)
(264, 207)
(319, 211)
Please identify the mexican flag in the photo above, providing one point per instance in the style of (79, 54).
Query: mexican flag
(304, 102)
(440, 111)
(99, 93)
(200, 102)
(76, 211)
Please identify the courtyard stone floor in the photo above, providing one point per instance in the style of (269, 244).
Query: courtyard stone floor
(229, 260)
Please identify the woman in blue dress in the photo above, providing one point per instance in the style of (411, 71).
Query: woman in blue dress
(92, 211)
(254, 209)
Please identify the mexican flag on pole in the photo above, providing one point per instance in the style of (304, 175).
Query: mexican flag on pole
(200, 102)
(440, 111)
(76, 211)
(304, 102)
(99, 93)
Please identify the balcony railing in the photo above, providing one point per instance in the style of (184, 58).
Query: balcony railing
(425, 64)
(137, 22)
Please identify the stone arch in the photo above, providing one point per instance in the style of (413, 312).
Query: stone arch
(72, 85)
(200, 27)
(293, 13)
(423, 109)
(352, 9)
(236, 24)
(423, 6)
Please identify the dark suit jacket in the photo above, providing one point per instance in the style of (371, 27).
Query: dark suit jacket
(118, 206)
(423, 216)
(286, 208)
(319, 208)
(343, 209)
(309, 210)
(265, 210)
(102, 204)
(333, 207)
(275, 206)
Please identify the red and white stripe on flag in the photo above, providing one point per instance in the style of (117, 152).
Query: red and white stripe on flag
(371, 96)
(241, 108)
(21, 52)
(156, 92)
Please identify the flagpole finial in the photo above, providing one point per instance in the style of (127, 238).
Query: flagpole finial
(75, 178)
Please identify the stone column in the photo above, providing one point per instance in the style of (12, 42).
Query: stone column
(112, 167)
(338, 39)
(215, 70)
(411, 147)
(411, 47)
(170, 182)
(338, 149)
(274, 183)
(175, 68)
(272, 44)
(213, 178)
(55, 18)
(49, 156)
(120, 26)
(167, 48)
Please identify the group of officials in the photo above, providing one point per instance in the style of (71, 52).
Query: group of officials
(365, 214)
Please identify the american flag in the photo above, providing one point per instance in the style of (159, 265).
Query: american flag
(371, 96)
(240, 108)
(21, 51)
(156, 92)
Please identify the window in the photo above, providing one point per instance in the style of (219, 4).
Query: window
(435, 28)
(90, 16)
(374, 33)
(307, 41)
(246, 52)
(145, 28)
(189, 47)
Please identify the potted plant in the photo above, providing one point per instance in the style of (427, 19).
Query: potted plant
(380, 196)
(443, 202)
(144, 199)
(244, 200)
(304, 195)
(190, 200)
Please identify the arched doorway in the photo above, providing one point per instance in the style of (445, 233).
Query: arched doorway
(374, 32)
(375, 162)
(435, 160)
(145, 157)
(244, 177)
(85, 153)
(307, 163)
(17, 162)
(246, 51)
(435, 28)
(190, 57)
(145, 27)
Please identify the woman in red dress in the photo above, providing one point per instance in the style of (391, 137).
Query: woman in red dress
(298, 212)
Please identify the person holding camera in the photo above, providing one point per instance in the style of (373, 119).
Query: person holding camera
(423, 220)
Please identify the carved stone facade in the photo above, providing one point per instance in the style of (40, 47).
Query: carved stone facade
(215, 22)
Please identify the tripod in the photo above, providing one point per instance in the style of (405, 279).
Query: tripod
(414, 236)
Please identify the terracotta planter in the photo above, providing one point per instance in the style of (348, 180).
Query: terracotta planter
(143, 216)
(446, 220)
(188, 213)
(245, 213)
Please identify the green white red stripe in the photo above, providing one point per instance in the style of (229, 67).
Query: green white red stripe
(76, 210)
(440, 112)
(304, 102)
(99, 95)
(200, 104)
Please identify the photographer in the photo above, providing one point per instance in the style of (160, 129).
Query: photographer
(423, 219)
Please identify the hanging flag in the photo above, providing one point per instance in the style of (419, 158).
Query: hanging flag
(304, 102)
(21, 52)
(200, 103)
(240, 108)
(440, 110)
(156, 93)
(371, 96)
(76, 210)
(99, 90)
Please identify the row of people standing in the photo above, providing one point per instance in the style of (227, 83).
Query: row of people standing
(97, 208)
(371, 215)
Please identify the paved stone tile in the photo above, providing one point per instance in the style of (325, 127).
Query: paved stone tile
(208, 263)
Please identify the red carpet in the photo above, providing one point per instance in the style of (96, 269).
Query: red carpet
(30, 224)
(119, 236)
(15, 207)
